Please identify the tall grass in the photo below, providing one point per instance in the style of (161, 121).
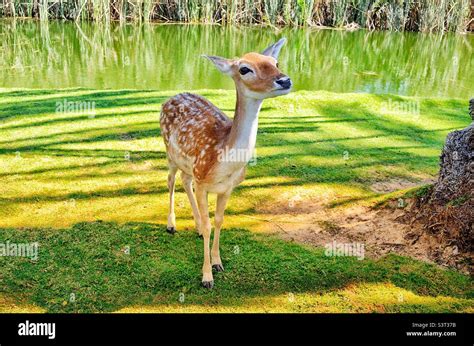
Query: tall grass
(397, 15)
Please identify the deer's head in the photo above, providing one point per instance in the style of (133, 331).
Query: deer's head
(256, 75)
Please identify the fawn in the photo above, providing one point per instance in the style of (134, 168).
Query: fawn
(198, 138)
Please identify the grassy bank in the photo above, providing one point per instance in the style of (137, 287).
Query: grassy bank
(160, 272)
(63, 169)
(413, 15)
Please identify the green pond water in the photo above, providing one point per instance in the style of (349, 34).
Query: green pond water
(158, 56)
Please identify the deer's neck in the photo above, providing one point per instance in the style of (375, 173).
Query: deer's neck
(243, 134)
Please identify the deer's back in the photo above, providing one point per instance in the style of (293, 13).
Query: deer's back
(194, 130)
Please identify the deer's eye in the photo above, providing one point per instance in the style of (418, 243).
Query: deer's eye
(244, 70)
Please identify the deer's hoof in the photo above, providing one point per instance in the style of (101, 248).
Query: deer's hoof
(171, 230)
(208, 284)
(218, 267)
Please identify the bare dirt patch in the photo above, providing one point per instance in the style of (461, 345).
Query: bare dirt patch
(397, 184)
(382, 231)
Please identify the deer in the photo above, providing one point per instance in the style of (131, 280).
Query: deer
(198, 138)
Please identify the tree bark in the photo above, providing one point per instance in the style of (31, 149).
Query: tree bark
(445, 215)
(456, 176)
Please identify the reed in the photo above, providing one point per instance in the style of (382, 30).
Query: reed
(401, 15)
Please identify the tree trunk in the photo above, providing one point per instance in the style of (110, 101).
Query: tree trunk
(456, 176)
(446, 213)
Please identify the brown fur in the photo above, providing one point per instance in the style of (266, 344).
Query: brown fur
(208, 137)
(265, 69)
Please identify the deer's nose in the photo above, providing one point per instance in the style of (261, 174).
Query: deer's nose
(284, 82)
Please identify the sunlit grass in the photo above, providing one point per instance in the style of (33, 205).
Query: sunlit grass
(57, 169)
(327, 149)
(357, 298)
(15, 305)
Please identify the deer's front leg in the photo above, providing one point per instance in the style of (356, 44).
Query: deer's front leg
(188, 187)
(201, 197)
(218, 221)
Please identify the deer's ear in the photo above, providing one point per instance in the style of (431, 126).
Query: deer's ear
(224, 65)
(273, 50)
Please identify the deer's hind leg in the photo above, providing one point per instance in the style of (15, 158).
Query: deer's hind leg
(171, 226)
(188, 187)
(201, 197)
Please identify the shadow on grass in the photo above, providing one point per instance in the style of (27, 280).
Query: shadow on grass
(108, 266)
(106, 134)
(67, 120)
(88, 259)
(318, 159)
(48, 104)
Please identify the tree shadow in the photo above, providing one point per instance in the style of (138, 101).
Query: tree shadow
(46, 106)
(68, 120)
(89, 260)
(288, 158)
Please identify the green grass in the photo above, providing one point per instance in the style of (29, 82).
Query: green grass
(61, 172)
(262, 273)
